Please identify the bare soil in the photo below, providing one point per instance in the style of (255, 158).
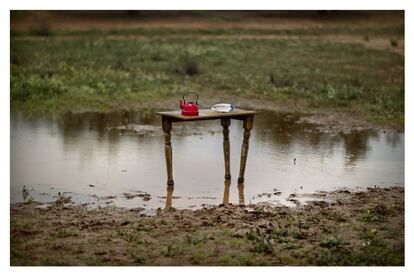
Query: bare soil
(217, 20)
(337, 228)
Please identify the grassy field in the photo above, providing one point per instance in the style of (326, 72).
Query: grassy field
(59, 70)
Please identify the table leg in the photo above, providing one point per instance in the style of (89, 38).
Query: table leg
(166, 127)
(226, 147)
(247, 125)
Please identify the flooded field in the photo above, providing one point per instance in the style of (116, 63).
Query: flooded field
(118, 159)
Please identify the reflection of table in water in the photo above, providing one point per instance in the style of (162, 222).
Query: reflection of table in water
(227, 184)
(226, 195)
(246, 116)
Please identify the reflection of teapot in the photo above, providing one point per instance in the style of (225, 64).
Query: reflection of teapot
(189, 108)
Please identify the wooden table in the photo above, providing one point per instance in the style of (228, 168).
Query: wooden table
(247, 116)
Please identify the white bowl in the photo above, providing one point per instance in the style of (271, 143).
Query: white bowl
(223, 107)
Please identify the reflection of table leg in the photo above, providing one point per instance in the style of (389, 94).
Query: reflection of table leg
(166, 127)
(226, 147)
(168, 203)
(247, 125)
(240, 187)
(227, 184)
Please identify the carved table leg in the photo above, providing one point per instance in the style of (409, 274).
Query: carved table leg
(226, 147)
(247, 125)
(166, 127)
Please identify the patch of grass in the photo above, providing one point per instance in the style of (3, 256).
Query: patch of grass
(174, 249)
(262, 242)
(228, 260)
(372, 216)
(195, 240)
(64, 233)
(130, 236)
(330, 243)
(95, 73)
(153, 32)
(334, 215)
(376, 252)
(138, 256)
(263, 245)
(291, 245)
(198, 258)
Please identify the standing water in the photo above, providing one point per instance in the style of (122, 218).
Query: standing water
(118, 159)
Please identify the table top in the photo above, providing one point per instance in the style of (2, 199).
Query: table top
(207, 114)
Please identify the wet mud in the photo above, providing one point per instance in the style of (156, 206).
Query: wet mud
(336, 228)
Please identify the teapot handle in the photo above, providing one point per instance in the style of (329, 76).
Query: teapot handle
(186, 93)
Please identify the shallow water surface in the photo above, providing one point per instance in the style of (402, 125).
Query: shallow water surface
(118, 159)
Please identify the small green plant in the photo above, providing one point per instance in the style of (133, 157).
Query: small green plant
(371, 216)
(194, 240)
(61, 199)
(174, 249)
(138, 257)
(63, 233)
(291, 245)
(198, 258)
(264, 245)
(330, 243)
(26, 194)
(129, 236)
(262, 242)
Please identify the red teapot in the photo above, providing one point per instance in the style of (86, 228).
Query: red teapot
(189, 108)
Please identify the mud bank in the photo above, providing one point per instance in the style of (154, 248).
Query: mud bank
(338, 228)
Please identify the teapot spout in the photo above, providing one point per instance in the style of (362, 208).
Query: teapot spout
(181, 104)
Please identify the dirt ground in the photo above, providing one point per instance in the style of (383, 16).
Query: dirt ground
(337, 228)
(220, 20)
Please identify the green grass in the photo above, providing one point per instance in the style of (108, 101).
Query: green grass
(385, 31)
(64, 233)
(95, 73)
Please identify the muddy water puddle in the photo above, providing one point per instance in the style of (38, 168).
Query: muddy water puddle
(118, 159)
